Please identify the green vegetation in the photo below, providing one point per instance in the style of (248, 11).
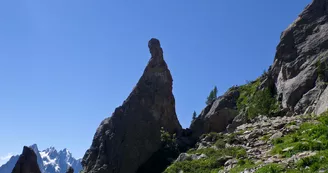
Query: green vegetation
(212, 96)
(321, 69)
(194, 115)
(265, 138)
(206, 165)
(271, 168)
(242, 165)
(220, 144)
(257, 101)
(246, 93)
(212, 162)
(263, 103)
(312, 136)
(315, 163)
(167, 139)
(220, 138)
(163, 157)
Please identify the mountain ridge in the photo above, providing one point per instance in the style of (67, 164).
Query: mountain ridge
(49, 160)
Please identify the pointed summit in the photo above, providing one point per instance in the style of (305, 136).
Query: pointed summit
(27, 162)
(131, 135)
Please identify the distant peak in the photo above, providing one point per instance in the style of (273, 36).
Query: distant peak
(65, 151)
(34, 146)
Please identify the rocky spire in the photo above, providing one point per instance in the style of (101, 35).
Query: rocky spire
(27, 162)
(131, 135)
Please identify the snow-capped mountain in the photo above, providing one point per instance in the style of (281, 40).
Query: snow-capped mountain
(49, 161)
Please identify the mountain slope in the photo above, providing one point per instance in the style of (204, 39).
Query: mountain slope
(49, 161)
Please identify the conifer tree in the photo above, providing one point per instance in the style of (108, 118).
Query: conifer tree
(215, 92)
(194, 115)
(212, 96)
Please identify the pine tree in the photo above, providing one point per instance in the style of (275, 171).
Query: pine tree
(212, 96)
(215, 92)
(194, 115)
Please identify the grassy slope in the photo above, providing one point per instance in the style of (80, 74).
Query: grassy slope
(311, 136)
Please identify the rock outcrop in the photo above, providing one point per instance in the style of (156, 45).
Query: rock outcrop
(132, 135)
(216, 116)
(70, 170)
(300, 65)
(298, 77)
(27, 162)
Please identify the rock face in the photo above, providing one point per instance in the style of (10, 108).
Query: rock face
(70, 170)
(27, 162)
(216, 116)
(131, 135)
(300, 65)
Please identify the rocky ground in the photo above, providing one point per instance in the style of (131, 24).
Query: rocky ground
(257, 138)
(256, 142)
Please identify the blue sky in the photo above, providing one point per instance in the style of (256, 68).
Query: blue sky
(66, 65)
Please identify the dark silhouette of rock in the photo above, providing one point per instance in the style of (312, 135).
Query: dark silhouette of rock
(70, 170)
(131, 135)
(218, 115)
(27, 162)
(301, 53)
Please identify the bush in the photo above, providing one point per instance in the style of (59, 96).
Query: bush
(246, 93)
(321, 68)
(262, 103)
(162, 158)
(220, 144)
(271, 168)
(257, 101)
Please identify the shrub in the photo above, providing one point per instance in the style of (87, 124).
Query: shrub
(263, 103)
(257, 101)
(220, 144)
(271, 168)
(321, 68)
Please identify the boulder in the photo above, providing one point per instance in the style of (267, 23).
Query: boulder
(128, 138)
(322, 104)
(240, 119)
(27, 162)
(189, 157)
(216, 116)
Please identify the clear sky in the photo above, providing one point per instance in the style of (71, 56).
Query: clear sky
(66, 65)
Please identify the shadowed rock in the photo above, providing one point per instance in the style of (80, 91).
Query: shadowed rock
(27, 162)
(70, 170)
(131, 135)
